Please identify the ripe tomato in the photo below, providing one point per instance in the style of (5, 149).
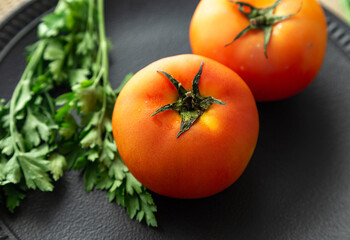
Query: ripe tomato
(212, 153)
(295, 49)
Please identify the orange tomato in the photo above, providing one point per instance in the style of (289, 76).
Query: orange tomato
(295, 50)
(206, 158)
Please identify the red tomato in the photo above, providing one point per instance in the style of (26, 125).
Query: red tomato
(206, 158)
(295, 49)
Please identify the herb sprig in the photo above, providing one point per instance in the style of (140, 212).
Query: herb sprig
(42, 134)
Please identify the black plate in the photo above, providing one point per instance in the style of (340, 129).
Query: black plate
(297, 185)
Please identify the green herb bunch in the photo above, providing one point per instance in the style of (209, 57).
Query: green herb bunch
(59, 116)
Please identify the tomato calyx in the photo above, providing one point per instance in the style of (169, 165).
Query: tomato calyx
(260, 18)
(190, 104)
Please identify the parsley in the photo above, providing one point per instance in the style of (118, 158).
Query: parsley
(59, 116)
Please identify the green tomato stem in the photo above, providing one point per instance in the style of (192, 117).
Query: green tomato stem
(260, 18)
(190, 104)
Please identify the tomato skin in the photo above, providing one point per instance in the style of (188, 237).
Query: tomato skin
(295, 52)
(208, 157)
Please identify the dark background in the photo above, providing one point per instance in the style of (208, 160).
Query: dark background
(297, 185)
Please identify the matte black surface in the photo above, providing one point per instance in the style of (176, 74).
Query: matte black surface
(297, 185)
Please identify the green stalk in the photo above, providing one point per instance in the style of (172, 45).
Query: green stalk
(103, 39)
(27, 74)
(190, 104)
(90, 21)
(104, 54)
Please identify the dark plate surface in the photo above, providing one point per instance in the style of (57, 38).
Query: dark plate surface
(297, 185)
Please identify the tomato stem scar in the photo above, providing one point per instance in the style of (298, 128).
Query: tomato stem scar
(260, 18)
(190, 104)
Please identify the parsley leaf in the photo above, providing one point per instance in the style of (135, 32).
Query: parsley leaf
(14, 196)
(42, 134)
(58, 164)
(33, 153)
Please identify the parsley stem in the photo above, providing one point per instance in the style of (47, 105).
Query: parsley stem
(50, 103)
(104, 55)
(33, 62)
(98, 77)
(17, 142)
(90, 20)
(103, 40)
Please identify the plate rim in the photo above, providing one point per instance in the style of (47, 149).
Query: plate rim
(17, 24)
(28, 15)
(24, 19)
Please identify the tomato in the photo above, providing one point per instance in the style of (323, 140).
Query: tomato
(215, 149)
(294, 51)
